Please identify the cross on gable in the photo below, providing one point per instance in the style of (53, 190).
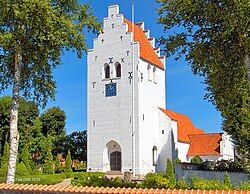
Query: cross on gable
(111, 59)
(130, 77)
(122, 59)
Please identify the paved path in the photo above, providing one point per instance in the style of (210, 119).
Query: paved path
(65, 182)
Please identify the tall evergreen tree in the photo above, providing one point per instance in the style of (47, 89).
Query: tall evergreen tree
(68, 163)
(58, 166)
(25, 157)
(48, 163)
(33, 36)
(170, 175)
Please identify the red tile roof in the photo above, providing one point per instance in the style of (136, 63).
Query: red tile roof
(205, 144)
(105, 190)
(146, 49)
(184, 125)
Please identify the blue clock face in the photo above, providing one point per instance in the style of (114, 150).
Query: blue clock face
(110, 89)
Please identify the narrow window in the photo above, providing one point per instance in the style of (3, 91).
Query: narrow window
(143, 117)
(121, 38)
(141, 77)
(155, 156)
(162, 131)
(93, 122)
(95, 58)
(154, 74)
(127, 53)
(118, 70)
(107, 71)
(148, 69)
(113, 26)
(94, 83)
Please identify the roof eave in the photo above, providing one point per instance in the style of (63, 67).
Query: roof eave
(162, 68)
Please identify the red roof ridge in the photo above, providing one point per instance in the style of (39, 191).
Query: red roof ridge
(146, 49)
(207, 133)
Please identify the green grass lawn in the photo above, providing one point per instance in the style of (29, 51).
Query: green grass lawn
(43, 179)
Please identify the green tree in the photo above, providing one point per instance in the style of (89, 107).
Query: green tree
(48, 163)
(196, 160)
(68, 163)
(170, 175)
(28, 112)
(58, 166)
(21, 169)
(5, 103)
(25, 157)
(33, 36)
(6, 153)
(214, 37)
(76, 142)
(53, 122)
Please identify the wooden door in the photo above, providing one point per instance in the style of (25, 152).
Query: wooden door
(115, 161)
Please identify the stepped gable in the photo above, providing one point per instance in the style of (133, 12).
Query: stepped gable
(205, 144)
(185, 127)
(147, 51)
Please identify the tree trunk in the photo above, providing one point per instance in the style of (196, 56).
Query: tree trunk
(14, 135)
(247, 62)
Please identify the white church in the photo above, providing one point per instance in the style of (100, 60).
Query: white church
(129, 128)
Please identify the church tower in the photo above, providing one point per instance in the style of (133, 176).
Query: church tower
(114, 100)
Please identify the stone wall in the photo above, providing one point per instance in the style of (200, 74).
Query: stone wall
(236, 178)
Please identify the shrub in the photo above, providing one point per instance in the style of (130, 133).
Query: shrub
(155, 180)
(182, 184)
(222, 165)
(205, 184)
(21, 169)
(68, 163)
(48, 165)
(170, 174)
(196, 160)
(177, 161)
(80, 166)
(227, 180)
(97, 179)
(244, 186)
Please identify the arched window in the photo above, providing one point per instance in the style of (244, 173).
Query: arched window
(118, 70)
(154, 74)
(155, 155)
(107, 71)
(149, 69)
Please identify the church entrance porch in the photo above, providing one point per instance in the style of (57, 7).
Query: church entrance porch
(112, 157)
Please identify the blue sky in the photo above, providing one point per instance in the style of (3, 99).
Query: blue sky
(185, 91)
